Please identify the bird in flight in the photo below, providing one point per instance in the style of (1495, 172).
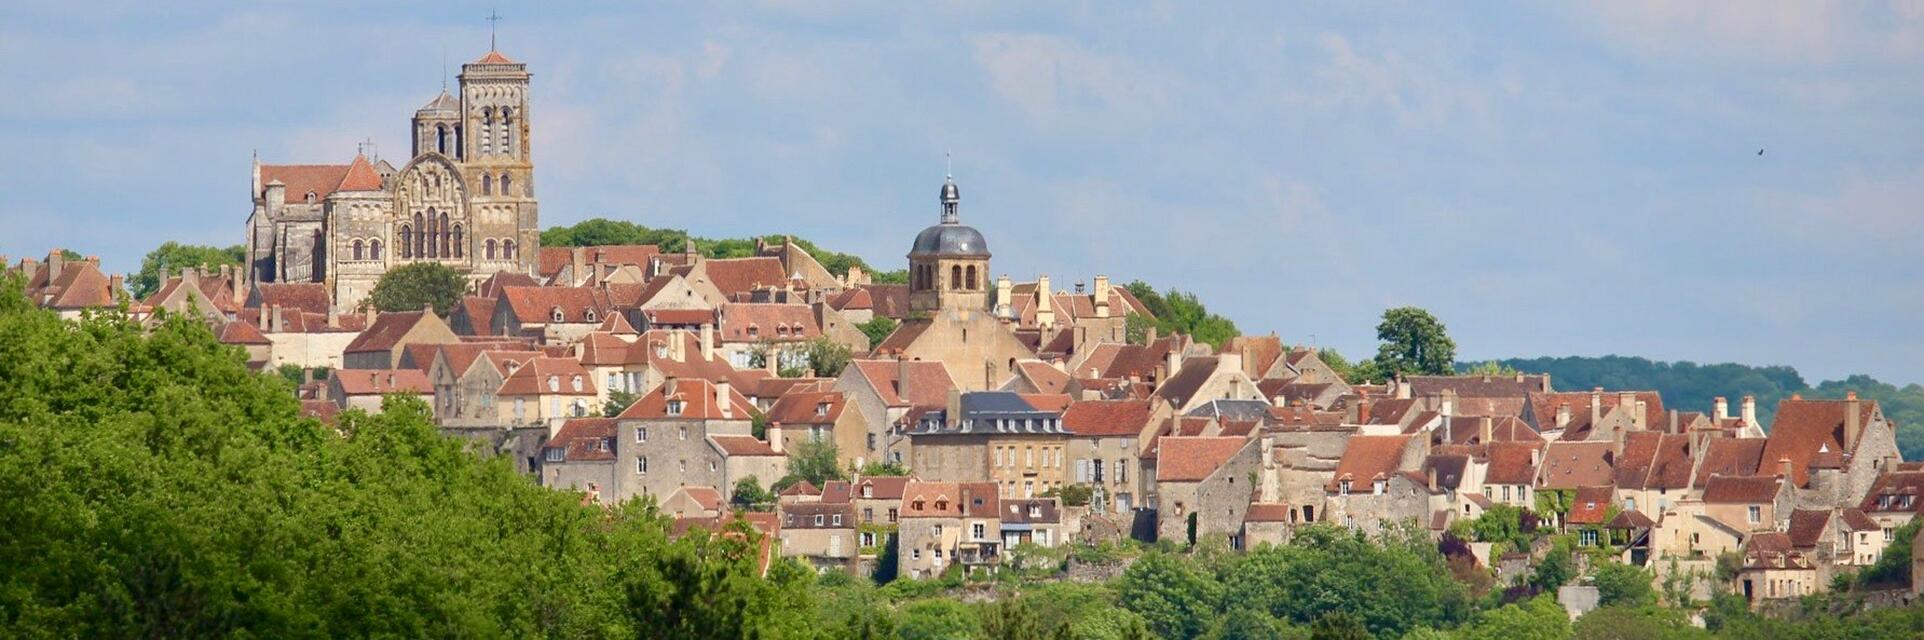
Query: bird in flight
(1760, 152)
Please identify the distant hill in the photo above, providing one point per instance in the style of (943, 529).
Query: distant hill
(1689, 386)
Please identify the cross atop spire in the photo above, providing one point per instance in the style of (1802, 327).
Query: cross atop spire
(494, 20)
(948, 159)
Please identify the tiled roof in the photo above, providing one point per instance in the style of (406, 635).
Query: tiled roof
(1568, 465)
(928, 384)
(708, 498)
(1730, 457)
(1476, 386)
(1262, 512)
(493, 57)
(678, 317)
(1590, 505)
(1180, 387)
(880, 487)
(361, 382)
(241, 333)
(301, 179)
(309, 297)
(1895, 492)
(1191, 459)
(756, 321)
(1510, 463)
(698, 398)
(585, 439)
(1469, 430)
(1367, 459)
(1030, 511)
(1631, 519)
(1107, 417)
(322, 410)
(803, 515)
(1740, 489)
(1543, 406)
(360, 176)
(1448, 467)
(945, 499)
(808, 408)
(743, 446)
(536, 305)
(1046, 378)
(548, 376)
(387, 331)
(480, 314)
(902, 337)
(742, 275)
(1806, 528)
(803, 488)
(1654, 460)
(1805, 427)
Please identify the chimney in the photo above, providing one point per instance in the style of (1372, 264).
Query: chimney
(1536, 457)
(1563, 415)
(333, 317)
(1403, 391)
(723, 401)
(1352, 412)
(1102, 296)
(1519, 377)
(262, 318)
(954, 408)
(708, 341)
(1596, 405)
(902, 378)
(55, 262)
(1852, 422)
(1045, 312)
(1079, 337)
(1628, 400)
(1783, 468)
(1173, 364)
(1433, 476)
(115, 282)
(280, 321)
(276, 195)
(1149, 335)
(1488, 432)
(1721, 409)
(1229, 362)
(1673, 421)
(968, 496)
(775, 436)
(1448, 406)
(1750, 410)
(1546, 382)
(578, 259)
(1004, 294)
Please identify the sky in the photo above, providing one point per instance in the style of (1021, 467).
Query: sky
(1578, 179)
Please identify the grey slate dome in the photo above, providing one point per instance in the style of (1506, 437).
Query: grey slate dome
(951, 238)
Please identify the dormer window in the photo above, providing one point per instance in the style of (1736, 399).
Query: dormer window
(941, 505)
(310, 197)
(868, 491)
(589, 315)
(918, 505)
(1035, 511)
(675, 407)
(754, 332)
(1342, 488)
(556, 315)
(781, 330)
(577, 384)
(821, 408)
(1379, 487)
(554, 383)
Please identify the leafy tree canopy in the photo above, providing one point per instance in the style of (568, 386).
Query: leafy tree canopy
(1414, 342)
(877, 329)
(602, 231)
(172, 257)
(1179, 312)
(413, 286)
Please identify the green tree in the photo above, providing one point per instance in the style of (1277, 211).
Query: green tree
(411, 287)
(1135, 328)
(1894, 567)
(937, 619)
(1391, 584)
(1339, 626)
(1556, 567)
(815, 461)
(1176, 597)
(1179, 312)
(750, 495)
(618, 401)
(1414, 342)
(877, 329)
(1489, 368)
(1635, 623)
(1620, 584)
(172, 257)
(879, 468)
(1252, 624)
(827, 357)
(1072, 495)
(1539, 618)
(1014, 619)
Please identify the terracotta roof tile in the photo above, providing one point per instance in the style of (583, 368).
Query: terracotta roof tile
(1590, 505)
(1568, 465)
(309, 297)
(1191, 459)
(585, 439)
(1740, 489)
(549, 376)
(1099, 418)
(536, 305)
(735, 276)
(387, 331)
(1366, 459)
(928, 384)
(743, 446)
(1511, 463)
(756, 321)
(698, 398)
(808, 408)
(1803, 428)
(1730, 457)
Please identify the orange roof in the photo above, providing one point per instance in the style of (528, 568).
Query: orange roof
(387, 331)
(1045, 378)
(755, 321)
(928, 384)
(549, 376)
(493, 57)
(1569, 465)
(1107, 417)
(808, 408)
(584, 439)
(743, 446)
(944, 499)
(1510, 463)
(697, 398)
(1741, 489)
(1366, 460)
(241, 333)
(360, 176)
(1590, 505)
(310, 297)
(1803, 428)
(536, 305)
(742, 275)
(1191, 459)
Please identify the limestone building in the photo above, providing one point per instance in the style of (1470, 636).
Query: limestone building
(465, 198)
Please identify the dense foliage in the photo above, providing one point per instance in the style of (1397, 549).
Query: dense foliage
(602, 231)
(411, 287)
(877, 329)
(1690, 386)
(172, 257)
(1413, 342)
(1179, 312)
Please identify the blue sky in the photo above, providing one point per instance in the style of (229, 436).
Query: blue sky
(1579, 179)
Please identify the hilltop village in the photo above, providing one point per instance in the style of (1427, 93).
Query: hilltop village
(998, 414)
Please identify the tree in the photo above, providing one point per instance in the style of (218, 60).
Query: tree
(1491, 368)
(1414, 342)
(1135, 328)
(750, 495)
(1635, 623)
(172, 257)
(618, 401)
(815, 461)
(827, 357)
(1391, 584)
(1014, 619)
(1894, 567)
(1252, 624)
(1072, 495)
(937, 619)
(1620, 584)
(1539, 618)
(1338, 626)
(411, 287)
(1176, 597)
(1556, 567)
(879, 468)
(877, 329)
(1179, 312)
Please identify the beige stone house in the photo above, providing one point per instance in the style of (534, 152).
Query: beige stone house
(809, 415)
(947, 523)
(1203, 486)
(365, 388)
(1105, 448)
(996, 436)
(691, 433)
(581, 456)
(1378, 483)
(545, 391)
(1200, 380)
(882, 392)
(550, 315)
(694, 502)
(1836, 448)
(380, 346)
(821, 534)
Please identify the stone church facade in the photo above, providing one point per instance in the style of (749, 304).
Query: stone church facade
(465, 198)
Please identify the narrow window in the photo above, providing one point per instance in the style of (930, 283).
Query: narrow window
(507, 249)
(374, 249)
(506, 182)
(490, 249)
(357, 250)
(443, 227)
(487, 185)
(970, 280)
(407, 241)
(460, 243)
(441, 138)
(955, 277)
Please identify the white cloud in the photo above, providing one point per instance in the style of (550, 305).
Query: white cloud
(1056, 82)
(1783, 31)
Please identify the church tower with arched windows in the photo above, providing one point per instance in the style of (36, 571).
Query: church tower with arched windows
(949, 262)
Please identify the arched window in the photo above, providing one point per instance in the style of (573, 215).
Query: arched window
(443, 227)
(431, 234)
(556, 315)
(487, 131)
(420, 232)
(458, 151)
(357, 250)
(507, 136)
(506, 183)
(955, 276)
(374, 249)
(460, 243)
(441, 138)
(507, 249)
(487, 185)
(407, 241)
(970, 280)
(490, 250)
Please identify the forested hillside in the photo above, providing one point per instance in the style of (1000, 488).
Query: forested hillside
(1690, 386)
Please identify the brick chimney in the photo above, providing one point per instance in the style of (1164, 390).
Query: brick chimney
(1749, 409)
(1720, 409)
(1852, 423)
(1102, 296)
(775, 436)
(723, 402)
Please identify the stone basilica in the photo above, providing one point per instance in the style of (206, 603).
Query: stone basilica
(465, 198)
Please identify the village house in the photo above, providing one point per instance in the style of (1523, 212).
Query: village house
(883, 392)
(820, 416)
(692, 433)
(380, 346)
(545, 391)
(947, 523)
(1203, 486)
(1105, 443)
(364, 389)
(992, 435)
(821, 534)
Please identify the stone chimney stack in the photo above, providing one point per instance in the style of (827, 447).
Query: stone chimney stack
(678, 347)
(1487, 430)
(1720, 409)
(1783, 468)
(708, 341)
(1448, 404)
(1403, 391)
(1673, 421)
(1596, 406)
(1433, 476)
(723, 399)
(953, 409)
(1628, 400)
(1563, 415)
(1172, 365)
(1750, 410)
(775, 436)
(1045, 311)
(902, 378)
(276, 195)
(55, 263)
(116, 283)
(280, 321)
(578, 263)
(1102, 296)
(1853, 424)
(1004, 297)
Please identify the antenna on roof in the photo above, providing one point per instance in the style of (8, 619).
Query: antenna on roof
(494, 20)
